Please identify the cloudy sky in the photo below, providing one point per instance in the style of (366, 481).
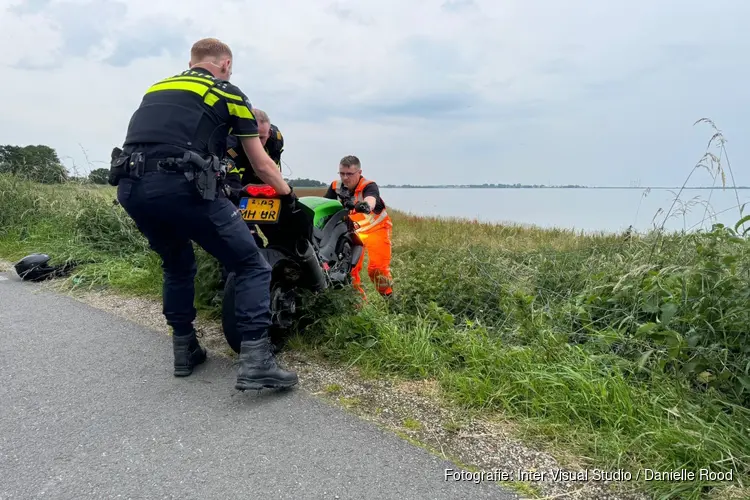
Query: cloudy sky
(596, 92)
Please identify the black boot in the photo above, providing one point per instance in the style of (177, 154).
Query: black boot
(188, 353)
(258, 367)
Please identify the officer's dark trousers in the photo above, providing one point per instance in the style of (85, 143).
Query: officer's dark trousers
(169, 213)
(225, 272)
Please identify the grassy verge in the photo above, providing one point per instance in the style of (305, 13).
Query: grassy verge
(628, 350)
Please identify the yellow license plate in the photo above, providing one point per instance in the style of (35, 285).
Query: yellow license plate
(260, 210)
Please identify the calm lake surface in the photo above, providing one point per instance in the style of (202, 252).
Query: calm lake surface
(589, 210)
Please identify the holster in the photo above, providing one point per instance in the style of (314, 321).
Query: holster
(118, 166)
(124, 165)
(207, 174)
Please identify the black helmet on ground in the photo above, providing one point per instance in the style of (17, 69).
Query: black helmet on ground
(35, 267)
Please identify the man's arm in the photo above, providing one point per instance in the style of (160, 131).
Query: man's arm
(371, 194)
(330, 194)
(245, 128)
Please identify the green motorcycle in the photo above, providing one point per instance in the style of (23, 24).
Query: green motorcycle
(311, 247)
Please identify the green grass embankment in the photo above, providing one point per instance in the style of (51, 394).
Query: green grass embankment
(631, 351)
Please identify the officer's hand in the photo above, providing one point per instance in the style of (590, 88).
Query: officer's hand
(233, 193)
(363, 207)
(348, 203)
(290, 199)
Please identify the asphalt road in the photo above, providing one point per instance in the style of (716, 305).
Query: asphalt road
(89, 409)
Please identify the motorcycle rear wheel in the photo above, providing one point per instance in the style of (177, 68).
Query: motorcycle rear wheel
(229, 321)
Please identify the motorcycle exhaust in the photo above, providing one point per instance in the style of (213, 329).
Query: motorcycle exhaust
(308, 259)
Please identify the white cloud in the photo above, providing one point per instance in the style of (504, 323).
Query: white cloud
(423, 91)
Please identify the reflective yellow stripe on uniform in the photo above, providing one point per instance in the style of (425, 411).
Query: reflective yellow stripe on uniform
(234, 97)
(204, 87)
(199, 88)
(211, 99)
(239, 110)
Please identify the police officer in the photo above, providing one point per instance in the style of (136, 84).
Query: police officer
(272, 140)
(273, 143)
(194, 111)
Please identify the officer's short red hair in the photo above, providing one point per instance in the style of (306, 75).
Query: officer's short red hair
(209, 48)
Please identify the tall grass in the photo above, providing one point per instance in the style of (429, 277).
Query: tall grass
(628, 349)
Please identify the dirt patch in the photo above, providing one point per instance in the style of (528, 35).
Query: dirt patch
(415, 410)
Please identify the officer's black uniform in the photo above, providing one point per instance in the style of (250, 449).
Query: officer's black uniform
(242, 173)
(195, 111)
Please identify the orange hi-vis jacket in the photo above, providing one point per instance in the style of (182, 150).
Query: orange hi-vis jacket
(364, 223)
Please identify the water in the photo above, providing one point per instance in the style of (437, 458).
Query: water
(589, 210)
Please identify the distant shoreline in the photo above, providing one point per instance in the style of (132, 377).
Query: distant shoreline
(501, 186)
(521, 186)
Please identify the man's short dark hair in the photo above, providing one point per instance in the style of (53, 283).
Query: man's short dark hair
(350, 161)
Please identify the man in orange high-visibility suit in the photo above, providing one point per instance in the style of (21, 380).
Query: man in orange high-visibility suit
(374, 224)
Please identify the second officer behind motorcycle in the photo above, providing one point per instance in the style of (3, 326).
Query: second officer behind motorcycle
(242, 172)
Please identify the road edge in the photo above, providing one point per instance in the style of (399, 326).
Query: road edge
(413, 411)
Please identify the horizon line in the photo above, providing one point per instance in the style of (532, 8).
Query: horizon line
(551, 186)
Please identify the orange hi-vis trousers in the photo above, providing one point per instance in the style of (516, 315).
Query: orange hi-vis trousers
(377, 244)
